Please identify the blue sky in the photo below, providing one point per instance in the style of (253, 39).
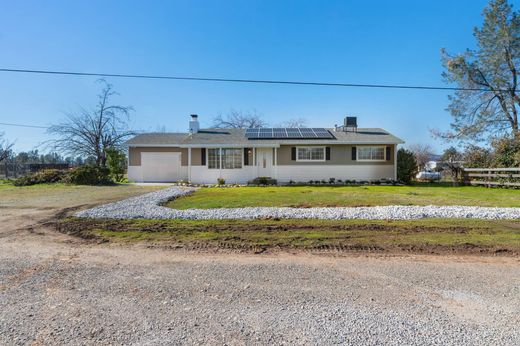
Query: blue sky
(387, 42)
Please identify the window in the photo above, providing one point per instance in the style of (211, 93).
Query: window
(311, 154)
(231, 158)
(371, 153)
(214, 158)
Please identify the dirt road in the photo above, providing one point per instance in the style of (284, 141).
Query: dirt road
(56, 289)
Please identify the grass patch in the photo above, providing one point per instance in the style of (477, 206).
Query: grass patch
(421, 236)
(64, 195)
(347, 196)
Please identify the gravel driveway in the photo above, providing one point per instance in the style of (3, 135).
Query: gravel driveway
(103, 295)
(148, 207)
(57, 289)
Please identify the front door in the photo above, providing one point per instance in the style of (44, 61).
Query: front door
(264, 162)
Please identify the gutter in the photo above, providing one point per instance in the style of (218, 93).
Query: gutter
(258, 145)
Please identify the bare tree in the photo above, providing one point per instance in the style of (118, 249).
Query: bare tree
(422, 152)
(452, 163)
(295, 122)
(6, 147)
(239, 120)
(91, 132)
(160, 129)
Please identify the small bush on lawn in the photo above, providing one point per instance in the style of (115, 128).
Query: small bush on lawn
(221, 181)
(264, 181)
(406, 166)
(116, 162)
(89, 175)
(46, 176)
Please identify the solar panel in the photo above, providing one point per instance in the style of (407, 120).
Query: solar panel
(293, 133)
(251, 133)
(289, 133)
(308, 133)
(322, 133)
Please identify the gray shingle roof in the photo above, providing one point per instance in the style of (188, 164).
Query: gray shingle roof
(237, 137)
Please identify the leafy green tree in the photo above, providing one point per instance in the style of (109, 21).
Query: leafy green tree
(116, 162)
(477, 157)
(490, 107)
(506, 152)
(406, 166)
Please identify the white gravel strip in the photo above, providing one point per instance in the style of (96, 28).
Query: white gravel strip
(148, 206)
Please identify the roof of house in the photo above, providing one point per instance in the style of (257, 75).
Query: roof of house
(236, 137)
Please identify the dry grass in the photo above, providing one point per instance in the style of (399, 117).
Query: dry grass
(64, 196)
(427, 235)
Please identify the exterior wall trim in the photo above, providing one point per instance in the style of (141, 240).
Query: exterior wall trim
(311, 147)
(204, 145)
(259, 145)
(370, 160)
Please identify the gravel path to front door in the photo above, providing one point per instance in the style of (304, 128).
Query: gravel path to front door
(148, 206)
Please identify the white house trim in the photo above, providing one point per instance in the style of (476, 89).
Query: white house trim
(311, 147)
(371, 160)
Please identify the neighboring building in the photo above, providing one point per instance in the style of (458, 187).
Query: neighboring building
(285, 154)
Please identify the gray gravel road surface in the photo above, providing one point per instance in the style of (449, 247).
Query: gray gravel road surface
(99, 295)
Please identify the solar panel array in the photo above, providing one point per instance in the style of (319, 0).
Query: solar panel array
(289, 133)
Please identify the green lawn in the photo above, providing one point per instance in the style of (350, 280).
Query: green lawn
(418, 236)
(63, 195)
(348, 196)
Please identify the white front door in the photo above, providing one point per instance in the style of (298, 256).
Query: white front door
(264, 162)
(160, 166)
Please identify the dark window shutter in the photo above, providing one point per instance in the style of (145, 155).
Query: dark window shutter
(293, 153)
(388, 153)
(354, 153)
(327, 153)
(246, 156)
(203, 156)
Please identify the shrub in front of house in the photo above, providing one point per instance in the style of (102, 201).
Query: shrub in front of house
(406, 166)
(46, 176)
(89, 175)
(263, 181)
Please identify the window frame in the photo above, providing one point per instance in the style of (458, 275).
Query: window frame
(220, 152)
(240, 152)
(322, 148)
(371, 159)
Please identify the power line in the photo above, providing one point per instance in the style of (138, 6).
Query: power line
(24, 125)
(232, 80)
(47, 127)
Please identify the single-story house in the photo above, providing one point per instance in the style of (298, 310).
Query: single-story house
(285, 154)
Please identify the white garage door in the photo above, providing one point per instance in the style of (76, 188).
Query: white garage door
(161, 167)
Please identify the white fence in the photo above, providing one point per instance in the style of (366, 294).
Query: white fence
(508, 177)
